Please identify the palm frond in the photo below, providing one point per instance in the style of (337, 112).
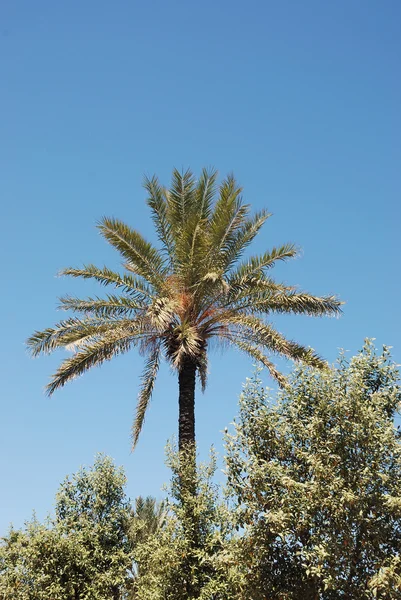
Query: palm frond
(306, 355)
(88, 357)
(148, 381)
(75, 333)
(142, 258)
(255, 352)
(181, 199)
(227, 218)
(257, 264)
(228, 199)
(242, 238)
(295, 303)
(190, 250)
(218, 263)
(253, 329)
(157, 202)
(235, 294)
(252, 288)
(105, 276)
(261, 333)
(191, 235)
(64, 333)
(111, 306)
(205, 191)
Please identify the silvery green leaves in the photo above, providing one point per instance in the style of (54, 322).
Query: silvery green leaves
(315, 478)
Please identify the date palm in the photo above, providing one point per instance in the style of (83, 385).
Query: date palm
(176, 302)
(148, 516)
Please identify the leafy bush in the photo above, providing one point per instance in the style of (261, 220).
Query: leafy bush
(84, 552)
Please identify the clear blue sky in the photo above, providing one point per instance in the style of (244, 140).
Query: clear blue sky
(302, 100)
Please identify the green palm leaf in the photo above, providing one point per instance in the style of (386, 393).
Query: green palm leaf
(257, 264)
(89, 356)
(244, 236)
(295, 303)
(181, 200)
(111, 306)
(157, 201)
(255, 353)
(205, 192)
(227, 218)
(265, 335)
(105, 276)
(148, 381)
(65, 333)
(142, 258)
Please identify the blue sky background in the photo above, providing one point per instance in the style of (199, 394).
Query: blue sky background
(302, 100)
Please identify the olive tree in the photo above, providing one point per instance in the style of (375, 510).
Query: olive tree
(82, 552)
(315, 477)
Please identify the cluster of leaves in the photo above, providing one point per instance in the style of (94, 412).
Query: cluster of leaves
(315, 478)
(83, 552)
(313, 485)
(190, 557)
(313, 509)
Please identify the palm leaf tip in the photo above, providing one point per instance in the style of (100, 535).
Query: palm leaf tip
(333, 302)
(33, 344)
(144, 397)
(309, 357)
(332, 307)
(48, 340)
(51, 387)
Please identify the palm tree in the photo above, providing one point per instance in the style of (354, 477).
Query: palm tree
(148, 516)
(175, 302)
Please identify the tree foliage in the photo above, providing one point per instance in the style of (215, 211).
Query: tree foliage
(313, 509)
(190, 557)
(176, 300)
(316, 482)
(81, 553)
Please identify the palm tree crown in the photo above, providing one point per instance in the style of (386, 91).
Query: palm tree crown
(175, 301)
(148, 516)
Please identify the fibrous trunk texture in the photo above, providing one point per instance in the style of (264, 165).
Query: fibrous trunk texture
(186, 419)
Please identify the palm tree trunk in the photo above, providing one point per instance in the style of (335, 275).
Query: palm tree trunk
(186, 447)
(186, 405)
